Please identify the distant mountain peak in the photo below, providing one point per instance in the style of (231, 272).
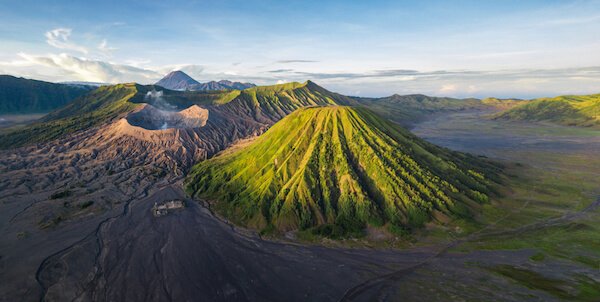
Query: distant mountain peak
(179, 80)
(178, 74)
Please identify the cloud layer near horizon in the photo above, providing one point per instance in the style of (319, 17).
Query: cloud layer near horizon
(460, 83)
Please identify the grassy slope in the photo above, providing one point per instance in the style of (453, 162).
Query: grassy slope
(339, 168)
(18, 95)
(100, 105)
(557, 183)
(503, 104)
(571, 110)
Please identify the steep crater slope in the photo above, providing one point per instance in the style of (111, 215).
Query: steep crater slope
(340, 169)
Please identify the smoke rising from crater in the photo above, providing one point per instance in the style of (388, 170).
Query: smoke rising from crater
(157, 100)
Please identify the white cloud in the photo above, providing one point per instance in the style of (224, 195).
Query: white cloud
(59, 38)
(91, 70)
(522, 83)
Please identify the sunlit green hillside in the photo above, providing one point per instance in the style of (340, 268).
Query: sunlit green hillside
(570, 110)
(340, 168)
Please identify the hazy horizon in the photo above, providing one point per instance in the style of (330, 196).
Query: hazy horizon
(533, 49)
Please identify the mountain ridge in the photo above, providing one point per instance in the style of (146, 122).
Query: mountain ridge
(568, 110)
(179, 80)
(408, 109)
(21, 95)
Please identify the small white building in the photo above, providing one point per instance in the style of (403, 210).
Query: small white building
(163, 208)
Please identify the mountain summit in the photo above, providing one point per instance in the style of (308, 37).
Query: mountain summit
(179, 80)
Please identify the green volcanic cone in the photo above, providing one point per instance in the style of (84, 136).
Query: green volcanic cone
(342, 167)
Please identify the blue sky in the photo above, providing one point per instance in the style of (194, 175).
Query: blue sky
(368, 48)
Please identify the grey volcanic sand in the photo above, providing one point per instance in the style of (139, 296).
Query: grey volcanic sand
(471, 131)
(190, 255)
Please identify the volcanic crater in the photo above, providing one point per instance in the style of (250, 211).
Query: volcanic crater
(152, 118)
